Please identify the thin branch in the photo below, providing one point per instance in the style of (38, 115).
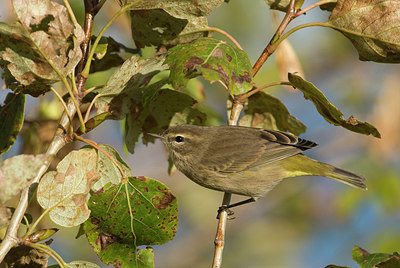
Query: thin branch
(219, 241)
(271, 47)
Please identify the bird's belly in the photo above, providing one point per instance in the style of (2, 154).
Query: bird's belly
(253, 183)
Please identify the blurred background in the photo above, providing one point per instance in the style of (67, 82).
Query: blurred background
(303, 222)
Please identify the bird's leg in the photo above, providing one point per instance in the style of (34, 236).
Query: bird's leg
(230, 212)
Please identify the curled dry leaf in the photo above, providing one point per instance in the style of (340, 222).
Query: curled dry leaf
(65, 192)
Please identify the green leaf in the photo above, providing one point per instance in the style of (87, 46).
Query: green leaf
(11, 120)
(215, 60)
(372, 26)
(94, 122)
(146, 258)
(160, 108)
(266, 111)
(328, 110)
(107, 54)
(66, 191)
(133, 76)
(147, 107)
(142, 211)
(368, 260)
(160, 22)
(16, 172)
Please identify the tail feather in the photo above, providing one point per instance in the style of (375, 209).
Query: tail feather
(347, 177)
(301, 165)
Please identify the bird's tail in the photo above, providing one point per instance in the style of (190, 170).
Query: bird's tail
(303, 165)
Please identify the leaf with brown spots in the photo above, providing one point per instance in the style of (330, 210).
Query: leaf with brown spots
(330, 113)
(66, 191)
(215, 60)
(43, 40)
(123, 217)
(169, 22)
(373, 26)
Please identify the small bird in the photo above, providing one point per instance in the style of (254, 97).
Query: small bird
(245, 161)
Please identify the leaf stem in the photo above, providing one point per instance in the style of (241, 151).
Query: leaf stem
(303, 11)
(96, 146)
(33, 226)
(90, 107)
(230, 37)
(70, 12)
(63, 103)
(85, 71)
(48, 250)
(257, 89)
(295, 29)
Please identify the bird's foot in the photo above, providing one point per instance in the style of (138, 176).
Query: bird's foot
(225, 208)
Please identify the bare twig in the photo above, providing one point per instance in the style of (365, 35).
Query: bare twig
(271, 47)
(219, 241)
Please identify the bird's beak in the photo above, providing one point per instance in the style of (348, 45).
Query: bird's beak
(156, 136)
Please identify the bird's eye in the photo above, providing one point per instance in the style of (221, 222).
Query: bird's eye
(179, 139)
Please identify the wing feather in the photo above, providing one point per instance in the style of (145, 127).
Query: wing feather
(244, 149)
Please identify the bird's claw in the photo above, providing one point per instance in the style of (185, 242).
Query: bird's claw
(225, 208)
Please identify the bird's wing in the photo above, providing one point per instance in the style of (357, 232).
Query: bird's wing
(255, 148)
(279, 145)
